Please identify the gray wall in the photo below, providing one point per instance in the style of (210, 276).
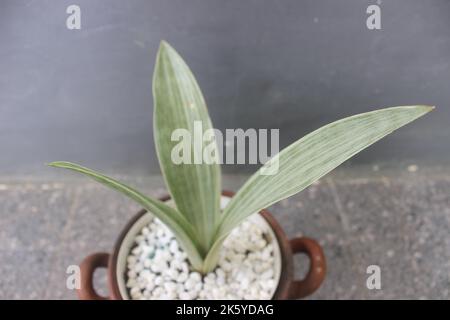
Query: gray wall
(85, 95)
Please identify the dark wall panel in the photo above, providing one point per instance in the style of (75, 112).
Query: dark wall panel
(85, 95)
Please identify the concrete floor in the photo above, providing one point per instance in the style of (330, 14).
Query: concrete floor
(397, 220)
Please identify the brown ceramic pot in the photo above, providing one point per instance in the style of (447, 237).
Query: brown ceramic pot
(288, 287)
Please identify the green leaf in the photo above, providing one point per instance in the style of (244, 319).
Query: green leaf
(179, 104)
(310, 158)
(180, 227)
(211, 259)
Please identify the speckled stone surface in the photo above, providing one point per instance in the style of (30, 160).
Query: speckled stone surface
(398, 221)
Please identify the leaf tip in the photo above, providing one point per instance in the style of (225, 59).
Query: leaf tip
(420, 110)
(163, 44)
(165, 47)
(52, 164)
(425, 108)
(165, 53)
(58, 164)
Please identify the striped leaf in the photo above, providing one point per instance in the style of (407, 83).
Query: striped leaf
(179, 104)
(308, 159)
(180, 227)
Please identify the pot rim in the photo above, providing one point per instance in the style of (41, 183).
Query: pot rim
(286, 271)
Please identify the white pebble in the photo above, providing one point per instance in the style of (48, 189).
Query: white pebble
(173, 246)
(185, 295)
(195, 276)
(182, 277)
(170, 286)
(157, 266)
(189, 284)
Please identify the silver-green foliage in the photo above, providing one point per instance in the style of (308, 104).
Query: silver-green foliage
(196, 219)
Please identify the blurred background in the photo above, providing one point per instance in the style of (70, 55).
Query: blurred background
(85, 96)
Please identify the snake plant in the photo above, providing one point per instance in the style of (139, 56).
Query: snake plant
(195, 218)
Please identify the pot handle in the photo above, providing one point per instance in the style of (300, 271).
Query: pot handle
(317, 267)
(87, 268)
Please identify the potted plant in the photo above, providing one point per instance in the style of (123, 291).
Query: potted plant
(202, 243)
